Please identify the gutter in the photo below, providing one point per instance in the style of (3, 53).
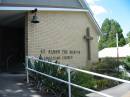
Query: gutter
(8, 8)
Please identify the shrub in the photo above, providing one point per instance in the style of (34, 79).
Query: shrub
(107, 66)
(57, 88)
(60, 89)
(105, 84)
(84, 80)
(127, 63)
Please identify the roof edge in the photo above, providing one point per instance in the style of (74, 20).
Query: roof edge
(85, 5)
(42, 9)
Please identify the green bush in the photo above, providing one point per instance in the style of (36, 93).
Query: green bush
(60, 89)
(57, 88)
(105, 84)
(127, 63)
(54, 87)
(83, 79)
(107, 66)
(49, 85)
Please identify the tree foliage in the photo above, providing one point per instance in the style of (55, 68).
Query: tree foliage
(109, 29)
(128, 37)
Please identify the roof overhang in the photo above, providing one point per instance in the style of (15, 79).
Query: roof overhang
(82, 2)
(41, 9)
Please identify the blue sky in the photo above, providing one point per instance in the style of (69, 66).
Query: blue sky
(118, 10)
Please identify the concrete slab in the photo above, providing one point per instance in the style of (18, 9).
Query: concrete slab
(127, 94)
(122, 90)
(13, 85)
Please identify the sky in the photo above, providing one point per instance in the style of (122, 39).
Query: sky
(118, 10)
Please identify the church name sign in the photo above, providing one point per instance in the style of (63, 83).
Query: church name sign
(59, 54)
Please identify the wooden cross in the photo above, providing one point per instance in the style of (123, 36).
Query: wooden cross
(88, 38)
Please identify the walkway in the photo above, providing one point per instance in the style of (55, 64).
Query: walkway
(122, 90)
(14, 86)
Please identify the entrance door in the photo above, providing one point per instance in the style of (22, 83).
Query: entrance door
(12, 50)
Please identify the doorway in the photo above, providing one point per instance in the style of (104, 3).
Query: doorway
(12, 41)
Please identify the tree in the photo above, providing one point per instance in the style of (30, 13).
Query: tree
(128, 37)
(109, 29)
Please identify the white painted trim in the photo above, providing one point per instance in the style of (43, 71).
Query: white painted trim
(66, 82)
(86, 3)
(80, 70)
(69, 81)
(41, 9)
(69, 76)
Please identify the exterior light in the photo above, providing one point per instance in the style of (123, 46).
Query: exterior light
(35, 18)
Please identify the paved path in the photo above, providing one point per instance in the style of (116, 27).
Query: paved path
(122, 90)
(14, 86)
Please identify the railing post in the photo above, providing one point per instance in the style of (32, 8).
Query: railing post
(27, 69)
(69, 82)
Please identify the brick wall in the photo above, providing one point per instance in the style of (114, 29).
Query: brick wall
(61, 31)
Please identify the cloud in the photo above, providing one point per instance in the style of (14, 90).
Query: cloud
(91, 2)
(97, 9)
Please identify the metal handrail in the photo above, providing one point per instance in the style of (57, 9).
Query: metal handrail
(69, 77)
